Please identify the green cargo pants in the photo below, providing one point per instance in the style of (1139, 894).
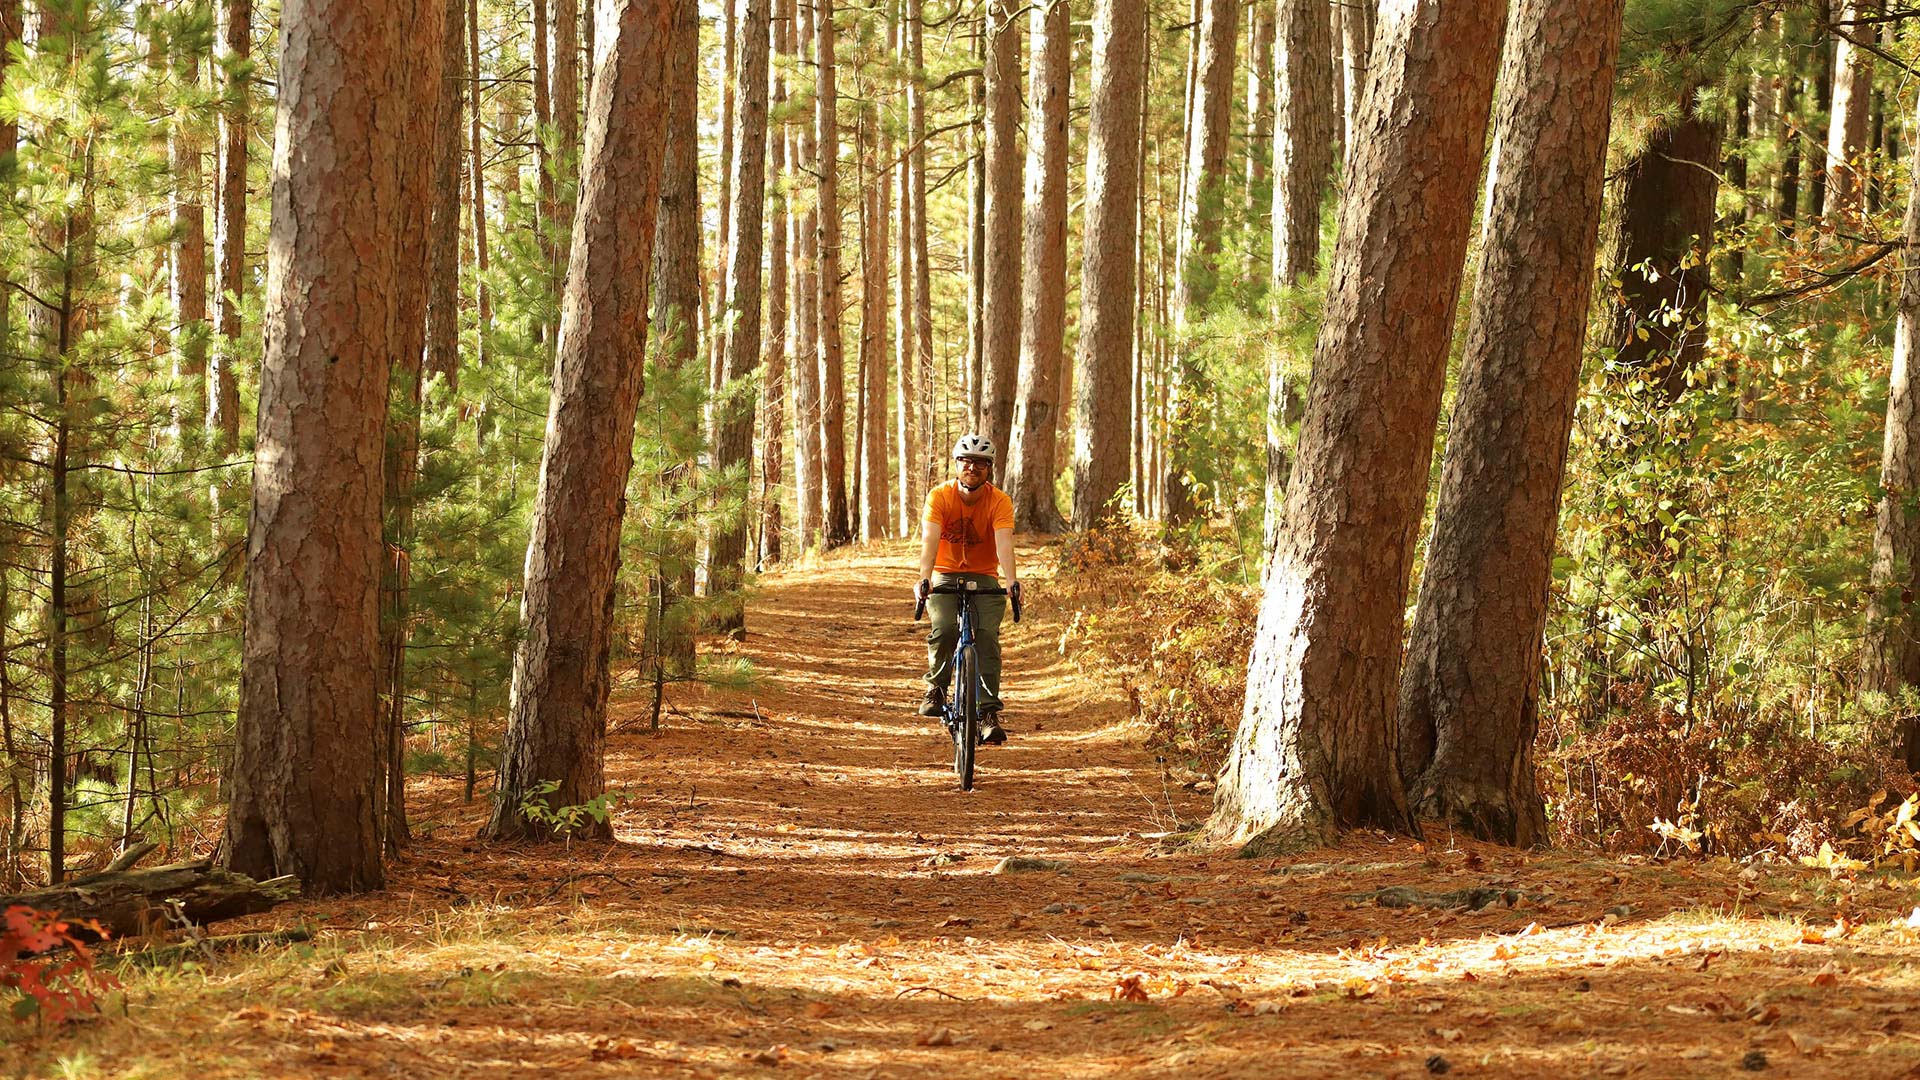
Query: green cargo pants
(944, 611)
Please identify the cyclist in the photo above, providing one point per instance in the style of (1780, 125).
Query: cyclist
(966, 534)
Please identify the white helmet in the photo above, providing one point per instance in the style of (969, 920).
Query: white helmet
(973, 446)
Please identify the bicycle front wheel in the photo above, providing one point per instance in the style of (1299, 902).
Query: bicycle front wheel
(966, 734)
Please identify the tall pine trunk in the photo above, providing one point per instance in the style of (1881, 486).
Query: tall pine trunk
(773, 387)
(344, 274)
(233, 49)
(477, 170)
(554, 751)
(189, 255)
(832, 357)
(1469, 688)
(741, 351)
(1104, 431)
(676, 315)
(1891, 657)
(1030, 474)
(1196, 264)
(1852, 94)
(1000, 295)
(1314, 751)
(928, 456)
(809, 493)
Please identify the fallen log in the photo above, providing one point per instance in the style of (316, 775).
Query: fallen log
(129, 902)
(208, 948)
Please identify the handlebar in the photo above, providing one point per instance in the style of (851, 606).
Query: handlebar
(960, 589)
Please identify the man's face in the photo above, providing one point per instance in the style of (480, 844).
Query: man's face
(973, 471)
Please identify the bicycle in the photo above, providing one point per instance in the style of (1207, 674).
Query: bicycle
(961, 713)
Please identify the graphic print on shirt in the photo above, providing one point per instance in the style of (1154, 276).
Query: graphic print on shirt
(960, 532)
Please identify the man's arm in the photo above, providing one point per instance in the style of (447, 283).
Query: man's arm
(1003, 545)
(929, 548)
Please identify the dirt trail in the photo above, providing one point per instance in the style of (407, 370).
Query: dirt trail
(799, 888)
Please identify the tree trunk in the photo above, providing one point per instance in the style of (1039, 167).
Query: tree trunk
(1891, 657)
(1260, 58)
(1304, 139)
(1314, 751)
(726, 565)
(477, 169)
(564, 98)
(1660, 253)
(556, 730)
(344, 273)
(833, 377)
(443, 238)
(927, 456)
(906, 361)
(1030, 473)
(1103, 408)
(543, 142)
(189, 278)
(773, 388)
(1821, 85)
(875, 493)
(233, 48)
(676, 316)
(1786, 188)
(808, 467)
(1197, 259)
(1309, 120)
(1356, 44)
(1000, 298)
(974, 370)
(1852, 93)
(1468, 690)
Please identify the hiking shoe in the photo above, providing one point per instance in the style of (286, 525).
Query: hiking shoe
(932, 702)
(991, 733)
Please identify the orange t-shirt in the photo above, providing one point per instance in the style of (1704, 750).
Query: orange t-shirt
(966, 532)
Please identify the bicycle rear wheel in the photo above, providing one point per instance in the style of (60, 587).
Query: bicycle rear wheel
(966, 733)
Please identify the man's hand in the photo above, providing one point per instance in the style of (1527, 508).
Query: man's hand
(920, 590)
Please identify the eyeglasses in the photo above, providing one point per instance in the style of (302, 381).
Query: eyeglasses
(980, 464)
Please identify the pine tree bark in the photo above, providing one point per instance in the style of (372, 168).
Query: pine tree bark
(1890, 660)
(306, 788)
(1357, 19)
(543, 140)
(233, 49)
(1309, 122)
(1043, 345)
(676, 317)
(833, 376)
(1104, 429)
(1260, 87)
(1658, 322)
(773, 388)
(1469, 685)
(1303, 151)
(875, 491)
(1852, 94)
(1820, 88)
(907, 437)
(928, 455)
(1314, 751)
(443, 238)
(556, 729)
(477, 170)
(808, 466)
(1786, 186)
(726, 566)
(1196, 264)
(189, 277)
(563, 98)
(1000, 295)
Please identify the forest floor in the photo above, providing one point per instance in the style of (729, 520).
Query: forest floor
(799, 888)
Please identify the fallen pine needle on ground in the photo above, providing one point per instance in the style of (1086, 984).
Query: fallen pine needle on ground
(799, 888)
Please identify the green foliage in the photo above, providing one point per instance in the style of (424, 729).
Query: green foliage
(564, 821)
